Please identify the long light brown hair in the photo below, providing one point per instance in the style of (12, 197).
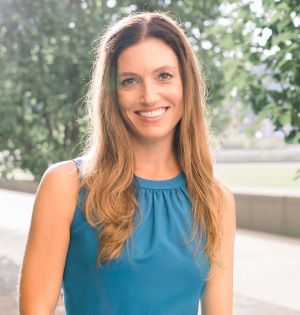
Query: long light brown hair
(108, 164)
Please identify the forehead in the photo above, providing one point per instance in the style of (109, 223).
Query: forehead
(148, 54)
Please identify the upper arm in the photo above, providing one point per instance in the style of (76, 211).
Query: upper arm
(48, 239)
(218, 295)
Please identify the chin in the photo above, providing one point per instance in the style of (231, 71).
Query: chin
(150, 137)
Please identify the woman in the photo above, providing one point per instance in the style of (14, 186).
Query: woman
(152, 231)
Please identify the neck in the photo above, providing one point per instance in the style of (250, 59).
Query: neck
(155, 160)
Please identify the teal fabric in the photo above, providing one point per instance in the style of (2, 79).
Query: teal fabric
(157, 273)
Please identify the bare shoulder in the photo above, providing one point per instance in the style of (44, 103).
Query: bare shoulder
(229, 209)
(62, 174)
(63, 170)
(59, 186)
(228, 195)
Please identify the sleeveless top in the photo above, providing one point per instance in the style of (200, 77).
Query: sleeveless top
(157, 273)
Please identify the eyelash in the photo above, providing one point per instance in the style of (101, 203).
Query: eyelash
(170, 76)
(167, 73)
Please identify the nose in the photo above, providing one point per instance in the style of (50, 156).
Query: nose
(150, 93)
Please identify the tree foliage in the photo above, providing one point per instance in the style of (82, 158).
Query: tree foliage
(45, 60)
(261, 47)
(46, 54)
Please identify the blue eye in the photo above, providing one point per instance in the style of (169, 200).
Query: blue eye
(163, 76)
(127, 82)
(166, 75)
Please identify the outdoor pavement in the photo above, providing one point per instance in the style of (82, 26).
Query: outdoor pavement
(266, 267)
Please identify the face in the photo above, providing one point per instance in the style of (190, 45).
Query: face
(150, 92)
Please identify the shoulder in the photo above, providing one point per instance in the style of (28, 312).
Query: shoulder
(228, 196)
(59, 188)
(66, 169)
(62, 176)
(228, 206)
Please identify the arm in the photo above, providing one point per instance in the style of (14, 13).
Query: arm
(48, 240)
(218, 294)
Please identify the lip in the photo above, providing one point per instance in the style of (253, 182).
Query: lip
(151, 110)
(152, 119)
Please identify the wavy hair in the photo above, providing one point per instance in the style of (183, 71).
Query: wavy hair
(108, 163)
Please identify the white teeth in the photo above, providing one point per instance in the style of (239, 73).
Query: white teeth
(155, 113)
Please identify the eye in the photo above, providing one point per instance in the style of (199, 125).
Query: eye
(166, 75)
(128, 82)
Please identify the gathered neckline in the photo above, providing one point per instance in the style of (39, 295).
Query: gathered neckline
(173, 182)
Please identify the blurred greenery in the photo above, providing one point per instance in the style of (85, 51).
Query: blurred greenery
(262, 61)
(46, 58)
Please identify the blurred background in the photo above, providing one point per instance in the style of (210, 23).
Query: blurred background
(249, 50)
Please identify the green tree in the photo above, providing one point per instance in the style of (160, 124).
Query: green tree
(45, 61)
(260, 46)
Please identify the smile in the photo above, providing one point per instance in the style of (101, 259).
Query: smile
(155, 113)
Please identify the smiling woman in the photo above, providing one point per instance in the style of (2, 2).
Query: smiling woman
(139, 224)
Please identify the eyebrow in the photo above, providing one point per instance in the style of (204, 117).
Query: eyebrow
(156, 70)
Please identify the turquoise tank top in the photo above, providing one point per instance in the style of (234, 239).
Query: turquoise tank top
(157, 273)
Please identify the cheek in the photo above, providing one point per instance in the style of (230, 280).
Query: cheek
(123, 101)
(178, 100)
(177, 90)
(176, 95)
(126, 100)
